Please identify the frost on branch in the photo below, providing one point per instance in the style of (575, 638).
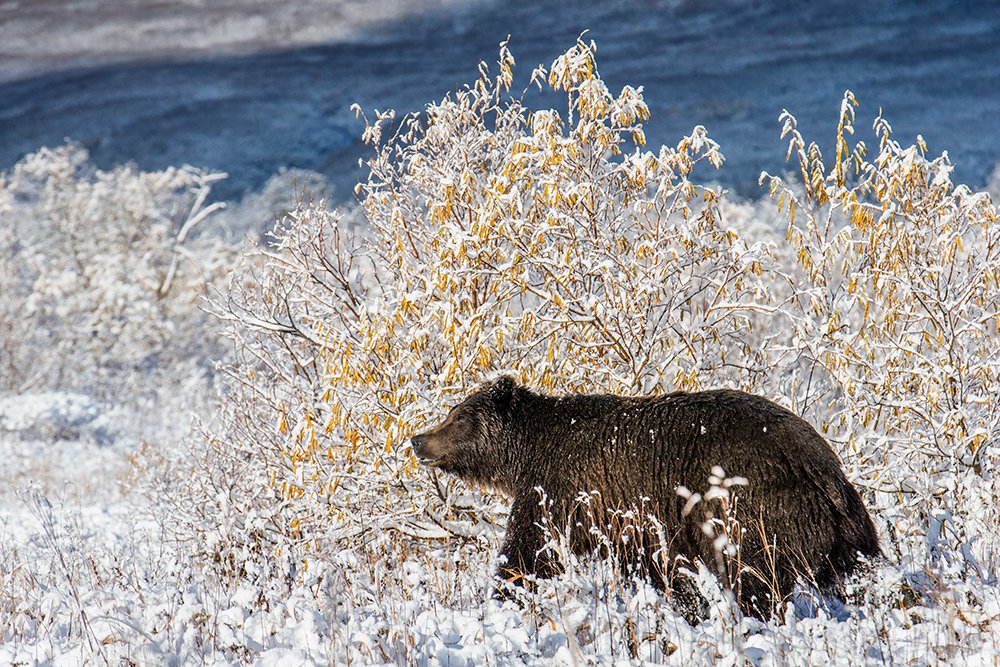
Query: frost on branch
(551, 244)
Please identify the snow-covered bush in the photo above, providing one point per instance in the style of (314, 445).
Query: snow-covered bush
(548, 242)
(551, 244)
(100, 279)
(896, 301)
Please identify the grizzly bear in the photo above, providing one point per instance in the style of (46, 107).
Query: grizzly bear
(793, 514)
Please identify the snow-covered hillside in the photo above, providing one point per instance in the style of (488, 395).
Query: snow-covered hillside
(248, 87)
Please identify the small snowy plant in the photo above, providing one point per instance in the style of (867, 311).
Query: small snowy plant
(717, 509)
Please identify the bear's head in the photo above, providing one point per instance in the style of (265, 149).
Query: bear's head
(474, 439)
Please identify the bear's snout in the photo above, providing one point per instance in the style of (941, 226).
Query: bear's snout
(438, 447)
(423, 449)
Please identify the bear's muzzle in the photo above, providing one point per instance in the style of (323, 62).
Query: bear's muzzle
(422, 450)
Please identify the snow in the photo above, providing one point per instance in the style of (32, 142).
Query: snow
(144, 603)
(61, 416)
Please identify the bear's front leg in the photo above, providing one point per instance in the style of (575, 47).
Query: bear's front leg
(523, 552)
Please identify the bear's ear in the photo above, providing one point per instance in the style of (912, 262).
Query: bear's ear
(502, 389)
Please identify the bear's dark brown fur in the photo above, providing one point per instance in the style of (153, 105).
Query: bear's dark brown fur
(798, 514)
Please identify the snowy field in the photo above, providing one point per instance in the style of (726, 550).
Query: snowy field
(203, 425)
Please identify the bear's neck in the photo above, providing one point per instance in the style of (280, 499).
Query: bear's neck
(550, 436)
(534, 439)
(514, 463)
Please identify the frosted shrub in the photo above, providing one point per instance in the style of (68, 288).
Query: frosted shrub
(545, 241)
(551, 244)
(897, 304)
(97, 273)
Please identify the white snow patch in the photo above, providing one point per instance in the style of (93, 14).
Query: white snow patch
(58, 411)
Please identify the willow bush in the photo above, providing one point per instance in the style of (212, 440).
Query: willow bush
(492, 237)
(897, 301)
